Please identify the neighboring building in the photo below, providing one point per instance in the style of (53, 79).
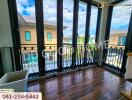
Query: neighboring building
(92, 40)
(27, 26)
(28, 34)
(67, 40)
(80, 39)
(118, 37)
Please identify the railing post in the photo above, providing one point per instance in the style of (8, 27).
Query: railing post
(59, 33)
(40, 35)
(75, 30)
(87, 28)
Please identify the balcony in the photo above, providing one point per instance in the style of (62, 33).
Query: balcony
(36, 49)
(72, 49)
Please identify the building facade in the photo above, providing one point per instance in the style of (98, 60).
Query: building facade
(118, 37)
(28, 37)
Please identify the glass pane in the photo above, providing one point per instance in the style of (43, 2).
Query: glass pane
(50, 33)
(93, 24)
(120, 21)
(27, 26)
(81, 23)
(67, 32)
(119, 28)
(67, 21)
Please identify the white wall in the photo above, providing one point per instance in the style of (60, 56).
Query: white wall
(5, 36)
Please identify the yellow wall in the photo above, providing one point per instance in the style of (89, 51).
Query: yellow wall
(32, 30)
(54, 35)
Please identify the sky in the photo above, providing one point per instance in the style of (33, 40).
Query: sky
(120, 18)
(27, 8)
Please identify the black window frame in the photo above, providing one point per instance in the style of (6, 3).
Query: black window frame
(40, 31)
(128, 40)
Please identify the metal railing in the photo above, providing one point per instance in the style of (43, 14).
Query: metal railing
(92, 54)
(114, 56)
(67, 56)
(29, 57)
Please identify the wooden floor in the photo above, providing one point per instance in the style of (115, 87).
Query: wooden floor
(89, 84)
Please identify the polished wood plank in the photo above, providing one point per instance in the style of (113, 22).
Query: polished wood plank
(88, 84)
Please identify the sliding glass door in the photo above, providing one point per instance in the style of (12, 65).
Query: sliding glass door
(118, 33)
(28, 37)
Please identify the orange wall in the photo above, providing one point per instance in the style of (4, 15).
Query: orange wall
(54, 35)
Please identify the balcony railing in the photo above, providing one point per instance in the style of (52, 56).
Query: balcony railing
(114, 57)
(67, 56)
(29, 57)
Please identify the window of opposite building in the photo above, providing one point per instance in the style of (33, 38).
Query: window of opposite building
(27, 36)
(49, 36)
(122, 40)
